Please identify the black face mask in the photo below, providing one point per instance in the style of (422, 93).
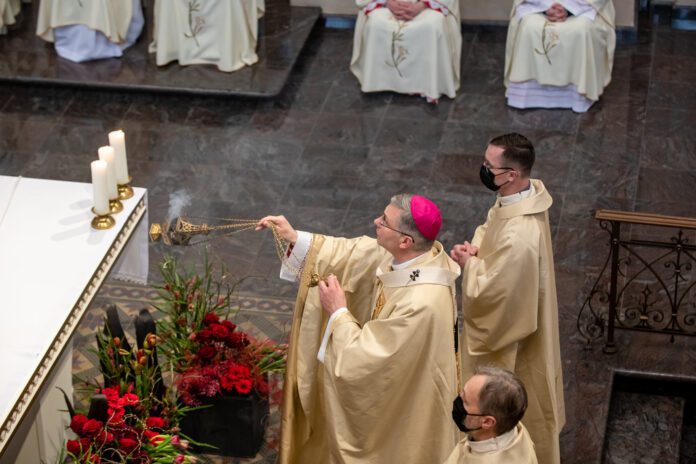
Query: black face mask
(488, 178)
(459, 414)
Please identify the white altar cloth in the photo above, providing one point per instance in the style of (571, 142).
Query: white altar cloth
(51, 265)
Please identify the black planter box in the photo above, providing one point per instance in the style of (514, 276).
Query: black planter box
(235, 425)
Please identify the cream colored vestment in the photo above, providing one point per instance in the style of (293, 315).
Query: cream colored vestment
(110, 17)
(420, 56)
(577, 52)
(384, 392)
(9, 9)
(219, 32)
(511, 312)
(519, 451)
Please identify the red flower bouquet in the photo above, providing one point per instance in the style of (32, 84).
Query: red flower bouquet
(210, 356)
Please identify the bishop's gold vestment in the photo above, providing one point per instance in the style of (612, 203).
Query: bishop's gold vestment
(421, 56)
(384, 392)
(511, 312)
(577, 51)
(519, 451)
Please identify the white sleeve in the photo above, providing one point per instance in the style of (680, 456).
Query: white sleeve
(325, 341)
(293, 263)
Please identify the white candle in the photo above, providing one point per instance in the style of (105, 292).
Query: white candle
(100, 192)
(107, 154)
(117, 139)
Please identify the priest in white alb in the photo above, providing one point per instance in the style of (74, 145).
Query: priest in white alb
(85, 30)
(408, 46)
(509, 304)
(372, 363)
(559, 54)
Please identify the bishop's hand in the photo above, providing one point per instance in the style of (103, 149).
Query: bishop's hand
(331, 295)
(282, 226)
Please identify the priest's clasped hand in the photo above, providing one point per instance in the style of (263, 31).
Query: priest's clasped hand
(462, 252)
(405, 10)
(557, 13)
(282, 226)
(331, 294)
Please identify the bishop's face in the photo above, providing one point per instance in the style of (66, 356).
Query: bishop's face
(387, 228)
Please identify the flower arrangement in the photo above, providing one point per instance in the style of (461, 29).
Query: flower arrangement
(130, 418)
(123, 433)
(208, 353)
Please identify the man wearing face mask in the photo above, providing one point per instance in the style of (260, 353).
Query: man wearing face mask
(509, 290)
(489, 410)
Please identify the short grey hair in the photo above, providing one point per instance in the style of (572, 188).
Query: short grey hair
(407, 224)
(503, 396)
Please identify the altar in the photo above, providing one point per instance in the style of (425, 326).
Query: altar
(52, 264)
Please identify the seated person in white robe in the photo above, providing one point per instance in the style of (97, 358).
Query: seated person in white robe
(9, 9)
(489, 410)
(85, 30)
(408, 46)
(223, 33)
(559, 54)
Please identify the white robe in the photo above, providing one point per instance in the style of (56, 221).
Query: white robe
(8, 10)
(90, 29)
(219, 32)
(563, 64)
(421, 56)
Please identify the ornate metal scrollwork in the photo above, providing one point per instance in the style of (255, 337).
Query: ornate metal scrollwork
(644, 285)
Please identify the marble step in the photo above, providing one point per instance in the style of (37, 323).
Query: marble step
(688, 444)
(643, 429)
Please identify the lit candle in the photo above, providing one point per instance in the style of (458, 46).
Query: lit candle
(117, 139)
(107, 154)
(100, 192)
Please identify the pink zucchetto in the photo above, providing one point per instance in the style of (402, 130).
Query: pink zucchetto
(426, 215)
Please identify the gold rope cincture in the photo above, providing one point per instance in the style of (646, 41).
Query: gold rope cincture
(182, 230)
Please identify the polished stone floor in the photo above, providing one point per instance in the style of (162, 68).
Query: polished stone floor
(328, 157)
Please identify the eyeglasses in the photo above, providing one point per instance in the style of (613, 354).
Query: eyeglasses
(487, 165)
(383, 223)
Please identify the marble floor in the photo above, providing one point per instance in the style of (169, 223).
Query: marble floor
(328, 157)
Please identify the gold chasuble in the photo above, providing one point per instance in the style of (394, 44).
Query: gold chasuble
(384, 391)
(519, 451)
(511, 312)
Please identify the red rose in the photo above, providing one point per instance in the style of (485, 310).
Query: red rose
(227, 383)
(130, 399)
(228, 325)
(203, 336)
(244, 386)
(103, 437)
(91, 427)
(127, 445)
(115, 418)
(239, 371)
(207, 352)
(211, 318)
(110, 393)
(73, 447)
(219, 331)
(77, 423)
(149, 434)
(157, 439)
(85, 443)
(155, 422)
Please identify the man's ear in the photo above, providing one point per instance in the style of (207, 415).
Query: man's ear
(488, 422)
(406, 242)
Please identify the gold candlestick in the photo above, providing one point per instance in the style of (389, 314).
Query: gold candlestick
(102, 221)
(115, 206)
(125, 191)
